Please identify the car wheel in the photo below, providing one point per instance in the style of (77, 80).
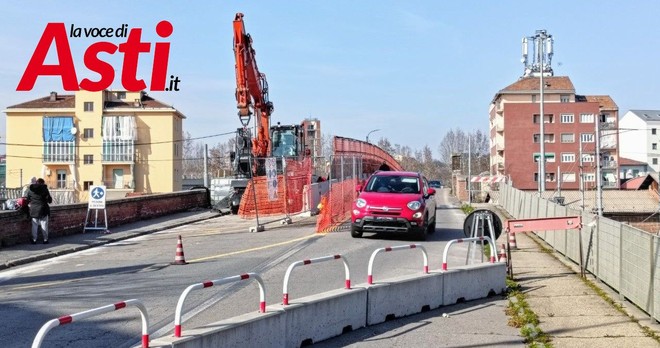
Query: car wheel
(431, 227)
(355, 233)
(422, 232)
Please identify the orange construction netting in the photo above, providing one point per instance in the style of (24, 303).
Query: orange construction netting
(335, 206)
(289, 192)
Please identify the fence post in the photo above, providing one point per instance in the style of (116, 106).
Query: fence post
(621, 296)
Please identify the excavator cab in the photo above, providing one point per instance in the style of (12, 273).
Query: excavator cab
(286, 140)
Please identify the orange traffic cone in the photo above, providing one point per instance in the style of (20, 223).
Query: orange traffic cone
(178, 258)
(502, 257)
(512, 241)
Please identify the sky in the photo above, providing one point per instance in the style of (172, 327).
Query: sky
(412, 69)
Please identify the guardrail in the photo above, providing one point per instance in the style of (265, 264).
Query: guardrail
(454, 241)
(208, 284)
(285, 296)
(67, 319)
(394, 248)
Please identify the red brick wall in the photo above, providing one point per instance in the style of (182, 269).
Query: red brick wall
(519, 145)
(70, 218)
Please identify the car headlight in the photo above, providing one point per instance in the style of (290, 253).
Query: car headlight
(414, 205)
(361, 203)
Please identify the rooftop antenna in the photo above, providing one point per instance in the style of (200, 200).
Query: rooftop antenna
(541, 57)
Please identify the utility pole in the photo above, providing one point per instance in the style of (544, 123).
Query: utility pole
(581, 183)
(599, 182)
(469, 179)
(206, 165)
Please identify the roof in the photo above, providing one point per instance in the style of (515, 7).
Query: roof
(394, 172)
(64, 101)
(529, 84)
(635, 183)
(614, 201)
(630, 162)
(604, 101)
(69, 101)
(647, 115)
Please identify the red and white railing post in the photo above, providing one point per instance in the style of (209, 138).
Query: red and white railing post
(285, 297)
(210, 283)
(67, 319)
(475, 239)
(399, 247)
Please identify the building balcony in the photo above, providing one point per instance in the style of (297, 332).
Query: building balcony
(118, 151)
(609, 185)
(607, 125)
(54, 184)
(59, 152)
(609, 165)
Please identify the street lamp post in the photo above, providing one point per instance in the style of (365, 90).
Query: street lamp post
(375, 130)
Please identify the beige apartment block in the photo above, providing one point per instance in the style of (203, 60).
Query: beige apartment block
(127, 141)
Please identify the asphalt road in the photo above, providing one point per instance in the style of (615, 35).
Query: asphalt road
(140, 268)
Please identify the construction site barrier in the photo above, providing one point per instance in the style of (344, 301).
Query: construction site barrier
(372, 156)
(399, 247)
(67, 319)
(285, 296)
(335, 207)
(475, 239)
(208, 284)
(290, 186)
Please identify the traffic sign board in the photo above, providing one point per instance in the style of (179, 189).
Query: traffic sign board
(97, 197)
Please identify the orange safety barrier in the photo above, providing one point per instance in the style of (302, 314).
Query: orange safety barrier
(335, 207)
(372, 155)
(289, 196)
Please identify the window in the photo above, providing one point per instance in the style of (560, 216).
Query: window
(549, 157)
(533, 98)
(567, 157)
(654, 146)
(564, 98)
(567, 137)
(87, 185)
(653, 131)
(567, 118)
(586, 118)
(568, 177)
(587, 137)
(589, 177)
(549, 138)
(89, 106)
(88, 133)
(88, 159)
(588, 158)
(655, 160)
(121, 95)
(546, 119)
(61, 178)
(548, 177)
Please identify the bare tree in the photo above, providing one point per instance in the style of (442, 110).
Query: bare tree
(193, 157)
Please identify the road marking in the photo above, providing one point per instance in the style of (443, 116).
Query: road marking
(41, 285)
(255, 249)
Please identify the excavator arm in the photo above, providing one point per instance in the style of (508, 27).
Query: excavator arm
(251, 89)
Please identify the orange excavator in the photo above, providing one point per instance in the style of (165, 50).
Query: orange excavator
(278, 141)
(251, 89)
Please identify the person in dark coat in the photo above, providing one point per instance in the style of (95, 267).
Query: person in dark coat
(38, 198)
(384, 167)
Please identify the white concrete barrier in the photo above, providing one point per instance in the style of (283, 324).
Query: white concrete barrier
(318, 317)
(472, 282)
(402, 296)
(247, 330)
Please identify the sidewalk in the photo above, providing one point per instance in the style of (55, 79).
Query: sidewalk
(25, 253)
(570, 312)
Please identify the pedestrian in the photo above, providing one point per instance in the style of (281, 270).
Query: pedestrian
(38, 199)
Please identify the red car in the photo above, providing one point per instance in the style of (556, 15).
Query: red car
(393, 201)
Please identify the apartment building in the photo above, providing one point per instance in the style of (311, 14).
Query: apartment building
(127, 141)
(313, 141)
(570, 122)
(640, 136)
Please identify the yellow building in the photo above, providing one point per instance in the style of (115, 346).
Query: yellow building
(127, 141)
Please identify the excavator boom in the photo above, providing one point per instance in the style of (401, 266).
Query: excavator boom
(251, 89)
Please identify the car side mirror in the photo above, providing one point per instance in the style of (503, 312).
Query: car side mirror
(358, 187)
(431, 191)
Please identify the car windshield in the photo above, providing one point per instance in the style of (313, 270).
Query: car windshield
(393, 184)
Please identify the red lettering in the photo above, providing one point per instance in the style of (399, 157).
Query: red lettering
(93, 63)
(54, 32)
(161, 57)
(132, 49)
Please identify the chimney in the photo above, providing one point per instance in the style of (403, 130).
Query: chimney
(53, 96)
(137, 103)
